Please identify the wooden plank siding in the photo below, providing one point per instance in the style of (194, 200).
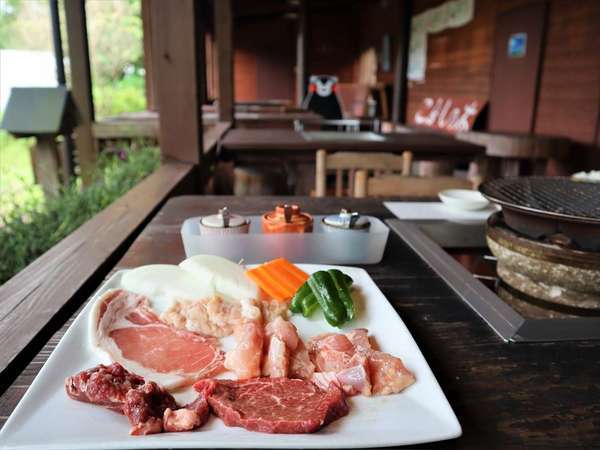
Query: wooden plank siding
(37, 301)
(459, 62)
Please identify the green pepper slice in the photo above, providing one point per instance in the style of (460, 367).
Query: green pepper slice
(325, 291)
(343, 292)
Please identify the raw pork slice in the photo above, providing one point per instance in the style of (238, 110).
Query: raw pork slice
(274, 405)
(124, 327)
(149, 408)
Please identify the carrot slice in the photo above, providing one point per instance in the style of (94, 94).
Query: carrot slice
(279, 278)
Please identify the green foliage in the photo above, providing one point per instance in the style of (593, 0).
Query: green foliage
(124, 95)
(33, 226)
(115, 36)
(17, 20)
(16, 173)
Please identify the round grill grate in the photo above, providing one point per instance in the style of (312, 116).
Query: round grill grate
(552, 196)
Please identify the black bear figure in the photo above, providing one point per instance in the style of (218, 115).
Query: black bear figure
(322, 97)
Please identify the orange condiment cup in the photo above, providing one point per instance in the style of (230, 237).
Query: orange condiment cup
(287, 219)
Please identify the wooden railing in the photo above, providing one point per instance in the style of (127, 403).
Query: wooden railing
(36, 301)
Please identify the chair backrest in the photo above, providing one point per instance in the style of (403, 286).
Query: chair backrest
(377, 163)
(418, 187)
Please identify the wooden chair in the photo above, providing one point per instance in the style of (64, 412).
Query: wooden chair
(406, 186)
(377, 163)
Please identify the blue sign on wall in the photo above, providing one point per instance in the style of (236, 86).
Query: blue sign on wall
(517, 45)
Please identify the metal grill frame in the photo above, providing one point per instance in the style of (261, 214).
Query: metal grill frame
(551, 197)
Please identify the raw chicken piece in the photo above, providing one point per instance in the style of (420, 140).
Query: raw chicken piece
(324, 379)
(360, 340)
(284, 330)
(300, 364)
(331, 352)
(290, 359)
(353, 380)
(388, 373)
(276, 362)
(358, 367)
(245, 358)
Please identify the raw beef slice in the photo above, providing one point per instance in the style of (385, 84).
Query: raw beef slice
(274, 405)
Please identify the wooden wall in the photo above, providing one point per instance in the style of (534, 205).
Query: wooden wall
(378, 18)
(459, 62)
(333, 38)
(265, 56)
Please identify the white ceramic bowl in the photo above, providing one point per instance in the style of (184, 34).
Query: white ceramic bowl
(463, 199)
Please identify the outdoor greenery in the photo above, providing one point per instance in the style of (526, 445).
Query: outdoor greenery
(33, 225)
(30, 224)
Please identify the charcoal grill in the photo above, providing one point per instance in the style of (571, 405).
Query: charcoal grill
(555, 209)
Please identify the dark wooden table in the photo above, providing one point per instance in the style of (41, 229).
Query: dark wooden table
(506, 396)
(243, 142)
(294, 152)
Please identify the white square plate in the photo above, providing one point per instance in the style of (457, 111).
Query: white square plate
(47, 419)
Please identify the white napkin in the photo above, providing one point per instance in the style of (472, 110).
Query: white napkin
(437, 211)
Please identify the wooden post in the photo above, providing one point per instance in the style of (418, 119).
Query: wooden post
(407, 159)
(224, 43)
(321, 173)
(81, 86)
(177, 68)
(151, 103)
(400, 91)
(301, 54)
(360, 184)
(44, 155)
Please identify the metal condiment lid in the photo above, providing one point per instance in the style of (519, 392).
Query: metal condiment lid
(348, 220)
(223, 219)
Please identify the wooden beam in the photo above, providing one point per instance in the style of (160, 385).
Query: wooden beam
(40, 298)
(400, 89)
(224, 42)
(178, 68)
(81, 86)
(301, 54)
(151, 103)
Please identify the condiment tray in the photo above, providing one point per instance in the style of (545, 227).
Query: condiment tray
(328, 247)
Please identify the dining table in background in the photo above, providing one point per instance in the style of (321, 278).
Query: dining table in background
(505, 395)
(296, 150)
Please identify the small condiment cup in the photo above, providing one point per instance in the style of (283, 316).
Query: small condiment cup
(346, 221)
(224, 223)
(287, 219)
